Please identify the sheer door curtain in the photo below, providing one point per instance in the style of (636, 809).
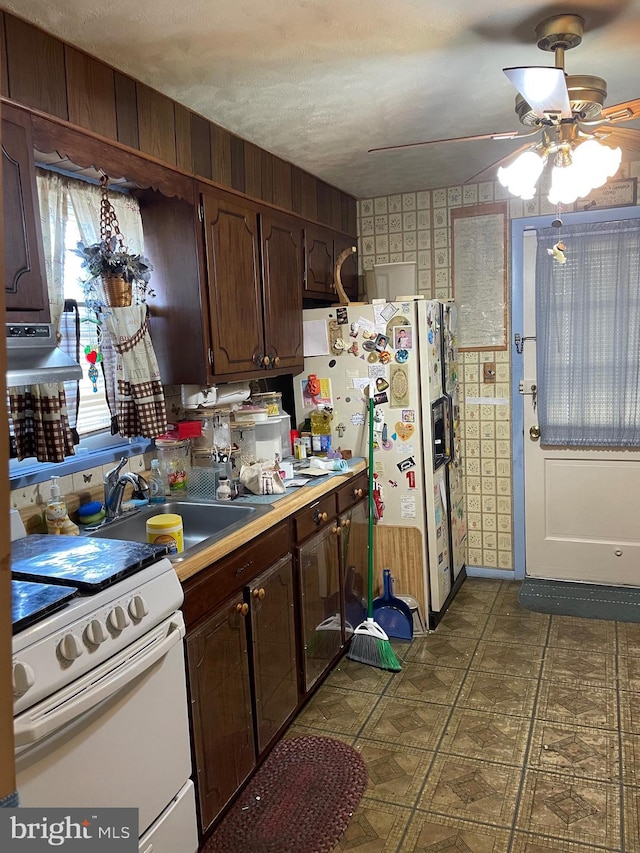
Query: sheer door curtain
(588, 335)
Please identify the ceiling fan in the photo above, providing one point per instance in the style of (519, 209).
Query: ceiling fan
(562, 110)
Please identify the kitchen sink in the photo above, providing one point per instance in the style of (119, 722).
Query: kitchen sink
(203, 523)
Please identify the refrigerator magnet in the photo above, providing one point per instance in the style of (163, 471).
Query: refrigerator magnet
(408, 416)
(404, 430)
(402, 337)
(385, 357)
(402, 356)
(407, 463)
(341, 316)
(381, 398)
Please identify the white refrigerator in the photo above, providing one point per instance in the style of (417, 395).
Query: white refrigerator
(407, 350)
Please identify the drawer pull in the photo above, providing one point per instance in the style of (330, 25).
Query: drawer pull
(258, 594)
(320, 517)
(242, 609)
(358, 493)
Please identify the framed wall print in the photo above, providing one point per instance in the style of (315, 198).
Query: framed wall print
(479, 275)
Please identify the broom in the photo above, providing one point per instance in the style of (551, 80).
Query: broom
(369, 643)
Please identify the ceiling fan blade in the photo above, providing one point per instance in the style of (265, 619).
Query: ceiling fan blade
(625, 111)
(626, 137)
(506, 135)
(491, 170)
(544, 88)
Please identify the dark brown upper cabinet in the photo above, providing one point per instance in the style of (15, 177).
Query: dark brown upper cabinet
(322, 249)
(26, 295)
(254, 263)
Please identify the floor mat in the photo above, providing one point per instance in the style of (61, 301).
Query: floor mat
(299, 801)
(586, 600)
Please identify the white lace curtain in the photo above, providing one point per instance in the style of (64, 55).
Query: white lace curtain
(588, 335)
(134, 394)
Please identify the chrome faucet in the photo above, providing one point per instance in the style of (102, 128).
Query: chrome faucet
(114, 486)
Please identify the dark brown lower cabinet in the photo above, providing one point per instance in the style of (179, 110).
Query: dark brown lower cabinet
(321, 606)
(265, 625)
(221, 712)
(273, 644)
(243, 684)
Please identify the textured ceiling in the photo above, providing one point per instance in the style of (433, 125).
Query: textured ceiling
(318, 82)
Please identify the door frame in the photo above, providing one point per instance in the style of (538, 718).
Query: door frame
(518, 227)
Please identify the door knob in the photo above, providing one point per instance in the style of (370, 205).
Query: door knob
(534, 432)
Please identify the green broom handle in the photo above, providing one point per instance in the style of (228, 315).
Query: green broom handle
(370, 530)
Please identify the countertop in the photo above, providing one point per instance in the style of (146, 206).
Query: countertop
(281, 508)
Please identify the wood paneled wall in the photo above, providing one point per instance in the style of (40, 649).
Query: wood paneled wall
(46, 74)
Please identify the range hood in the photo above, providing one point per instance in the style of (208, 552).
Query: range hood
(33, 356)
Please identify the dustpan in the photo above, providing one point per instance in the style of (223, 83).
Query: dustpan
(392, 614)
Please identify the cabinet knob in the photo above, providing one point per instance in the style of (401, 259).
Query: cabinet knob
(346, 522)
(336, 530)
(275, 361)
(320, 517)
(358, 493)
(266, 361)
(259, 594)
(242, 609)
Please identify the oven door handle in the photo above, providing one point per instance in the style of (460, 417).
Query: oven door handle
(95, 688)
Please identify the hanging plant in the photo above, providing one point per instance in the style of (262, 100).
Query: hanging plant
(121, 273)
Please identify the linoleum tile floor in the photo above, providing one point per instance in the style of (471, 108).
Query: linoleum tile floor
(506, 731)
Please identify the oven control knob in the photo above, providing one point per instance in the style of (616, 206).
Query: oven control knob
(69, 647)
(118, 619)
(138, 608)
(95, 633)
(23, 678)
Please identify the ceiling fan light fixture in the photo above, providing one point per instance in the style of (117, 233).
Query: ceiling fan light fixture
(591, 164)
(520, 177)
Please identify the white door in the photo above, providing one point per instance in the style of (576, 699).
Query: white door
(580, 505)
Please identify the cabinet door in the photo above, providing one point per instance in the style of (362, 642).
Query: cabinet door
(274, 649)
(24, 268)
(321, 600)
(221, 716)
(349, 270)
(235, 298)
(282, 270)
(318, 279)
(354, 524)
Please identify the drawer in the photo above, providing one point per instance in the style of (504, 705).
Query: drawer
(210, 587)
(352, 492)
(314, 517)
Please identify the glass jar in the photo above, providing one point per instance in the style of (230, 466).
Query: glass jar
(269, 400)
(174, 456)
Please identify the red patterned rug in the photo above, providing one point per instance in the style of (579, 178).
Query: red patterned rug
(299, 801)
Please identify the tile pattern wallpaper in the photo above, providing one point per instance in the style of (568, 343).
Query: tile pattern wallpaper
(415, 226)
(506, 731)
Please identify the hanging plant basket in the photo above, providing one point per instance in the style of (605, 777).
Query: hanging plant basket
(117, 291)
(122, 274)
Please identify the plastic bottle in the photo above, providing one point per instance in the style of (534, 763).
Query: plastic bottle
(321, 431)
(156, 484)
(56, 516)
(224, 489)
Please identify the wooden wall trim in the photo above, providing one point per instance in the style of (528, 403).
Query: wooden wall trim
(56, 80)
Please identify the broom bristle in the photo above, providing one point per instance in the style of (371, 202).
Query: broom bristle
(371, 650)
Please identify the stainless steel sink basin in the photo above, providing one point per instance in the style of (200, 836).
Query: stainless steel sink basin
(203, 523)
